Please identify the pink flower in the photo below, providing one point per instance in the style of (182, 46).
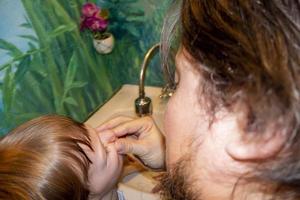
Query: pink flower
(93, 19)
(95, 24)
(90, 9)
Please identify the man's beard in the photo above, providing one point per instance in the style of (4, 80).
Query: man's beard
(177, 183)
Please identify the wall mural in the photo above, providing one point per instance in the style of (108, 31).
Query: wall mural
(47, 65)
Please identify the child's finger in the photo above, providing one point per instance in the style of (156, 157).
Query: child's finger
(107, 137)
(98, 149)
(113, 158)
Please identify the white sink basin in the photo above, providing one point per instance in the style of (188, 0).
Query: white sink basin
(139, 183)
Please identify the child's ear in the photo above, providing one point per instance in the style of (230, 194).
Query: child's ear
(259, 148)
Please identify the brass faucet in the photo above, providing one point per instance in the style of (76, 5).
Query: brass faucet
(143, 104)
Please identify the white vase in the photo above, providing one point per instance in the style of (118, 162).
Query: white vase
(104, 46)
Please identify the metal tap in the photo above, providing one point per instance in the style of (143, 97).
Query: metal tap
(143, 104)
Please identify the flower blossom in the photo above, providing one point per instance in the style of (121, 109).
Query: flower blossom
(94, 19)
(95, 23)
(89, 10)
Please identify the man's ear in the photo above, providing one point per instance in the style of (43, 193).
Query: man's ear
(259, 148)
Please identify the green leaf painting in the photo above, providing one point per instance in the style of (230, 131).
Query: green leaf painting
(49, 66)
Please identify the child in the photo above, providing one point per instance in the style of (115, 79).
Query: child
(53, 157)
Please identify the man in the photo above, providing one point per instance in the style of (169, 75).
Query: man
(232, 126)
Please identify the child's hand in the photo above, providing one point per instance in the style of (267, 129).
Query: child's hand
(106, 165)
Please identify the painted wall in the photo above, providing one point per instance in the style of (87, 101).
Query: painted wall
(48, 66)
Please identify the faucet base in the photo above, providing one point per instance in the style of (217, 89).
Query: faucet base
(143, 106)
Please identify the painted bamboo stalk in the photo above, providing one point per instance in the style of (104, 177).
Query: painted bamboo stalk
(48, 56)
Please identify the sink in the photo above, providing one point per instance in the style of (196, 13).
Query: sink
(122, 103)
(137, 182)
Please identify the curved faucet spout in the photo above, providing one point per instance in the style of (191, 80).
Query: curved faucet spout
(151, 52)
(143, 105)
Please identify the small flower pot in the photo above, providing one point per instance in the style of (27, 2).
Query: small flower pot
(105, 45)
